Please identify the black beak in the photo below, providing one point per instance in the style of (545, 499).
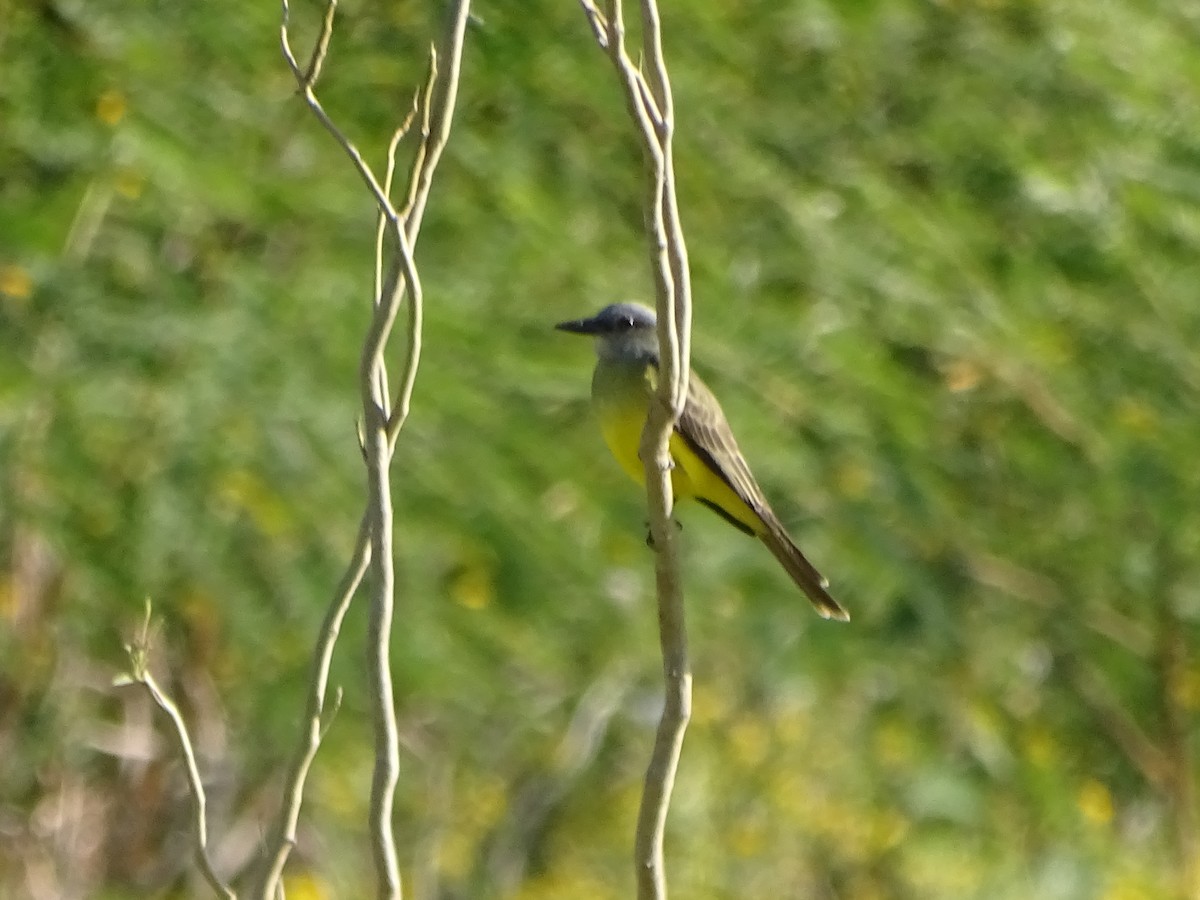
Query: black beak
(578, 326)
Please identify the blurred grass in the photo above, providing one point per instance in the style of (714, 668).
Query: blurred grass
(945, 258)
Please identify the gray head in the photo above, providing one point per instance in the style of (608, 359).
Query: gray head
(621, 330)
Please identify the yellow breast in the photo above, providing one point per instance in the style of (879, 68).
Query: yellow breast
(621, 392)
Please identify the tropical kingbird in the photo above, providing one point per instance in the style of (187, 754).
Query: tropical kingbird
(707, 462)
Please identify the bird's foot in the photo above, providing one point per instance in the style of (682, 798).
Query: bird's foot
(670, 461)
(650, 534)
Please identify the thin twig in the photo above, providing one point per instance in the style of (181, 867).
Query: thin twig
(441, 95)
(671, 243)
(424, 105)
(313, 73)
(389, 175)
(648, 101)
(412, 356)
(650, 105)
(644, 114)
(307, 91)
(653, 52)
(381, 231)
(284, 839)
(598, 22)
(139, 673)
(441, 103)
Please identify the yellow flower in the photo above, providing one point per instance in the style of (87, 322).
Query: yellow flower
(471, 586)
(15, 282)
(853, 479)
(1095, 802)
(1135, 416)
(111, 107)
(305, 886)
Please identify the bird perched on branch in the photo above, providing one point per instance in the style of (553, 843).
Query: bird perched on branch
(707, 462)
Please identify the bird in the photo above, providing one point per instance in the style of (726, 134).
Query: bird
(706, 461)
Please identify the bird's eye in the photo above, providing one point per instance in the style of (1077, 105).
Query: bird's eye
(627, 322)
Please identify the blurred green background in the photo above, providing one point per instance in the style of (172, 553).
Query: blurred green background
(946, 259)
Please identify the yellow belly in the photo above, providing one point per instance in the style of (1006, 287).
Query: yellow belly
(690, 477)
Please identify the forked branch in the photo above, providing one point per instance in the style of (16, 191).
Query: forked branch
(138, 651)
(395, 273)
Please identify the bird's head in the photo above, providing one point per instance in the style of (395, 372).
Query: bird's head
(620, 329)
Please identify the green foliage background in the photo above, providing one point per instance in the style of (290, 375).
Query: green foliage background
(945, 258)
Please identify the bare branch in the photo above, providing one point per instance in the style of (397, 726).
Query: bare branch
(381, 231)
(379, 627)
(441, 95)
(389, 175)
(424, 106)
(648, 101)
(377, 452)
(638, 98)
(650, 105)
(380, 424)
(321, 50)
(307, 91)
(416, 322)
(380, 428)
(139, 673)
(598, 22)
(439, 105)
(284, 838)
(652, 52)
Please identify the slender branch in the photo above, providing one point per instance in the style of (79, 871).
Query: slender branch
(440, 104)
(313, 73)
(670, 232)
(379, 627)
(139, 673)
(389, 175)
(440, 98)
(307, 91)
(653, 53)
(425, 106)
(378, 431)
(648, 101)
(650, 105)
(381, 231)
(377, 452)
(637, 93)
(597, 20)
(412, 358)
(284, 838)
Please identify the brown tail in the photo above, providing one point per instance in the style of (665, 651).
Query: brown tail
(801, 570)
